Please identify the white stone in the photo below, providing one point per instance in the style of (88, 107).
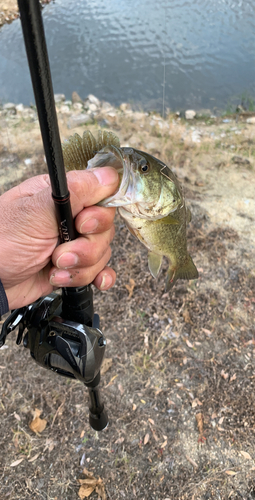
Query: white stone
(190, 114)
(59, 98)
(106, 106)
(9, 106)
(20, 108)
(92, 107)
(65, 109)
(77, 120)
(93, 100)
(196, 136)
(77, 105)
(251, 120)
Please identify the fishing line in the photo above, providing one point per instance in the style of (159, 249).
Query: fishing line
(164, 68)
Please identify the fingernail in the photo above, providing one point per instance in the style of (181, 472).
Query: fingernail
(66, 260)
(106, 282)
(60, 278)
(106, 176)
(88, 226)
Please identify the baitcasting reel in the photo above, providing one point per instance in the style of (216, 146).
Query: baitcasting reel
(68, 348)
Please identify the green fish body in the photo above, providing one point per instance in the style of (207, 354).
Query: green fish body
(149, 199)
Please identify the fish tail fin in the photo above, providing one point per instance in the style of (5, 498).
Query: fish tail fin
(187, 271)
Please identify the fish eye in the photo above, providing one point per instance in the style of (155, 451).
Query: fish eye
(144, 168)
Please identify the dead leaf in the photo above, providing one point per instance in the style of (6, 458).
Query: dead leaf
(87, 472)
(120, 387)
(200, 422)
(186, 316)
(232, 378)
(130, 287)
(224, 375)
(17, 417)
(34, 458)
(17, 462)
(38, 424)
(119, 440)
(151, 421)
(230, 472)
(106, 365)
(208, 332)
(196, 403)
(246, 455)
(90, 484)
(189, 344)
(146, 438)
(85, 491)
(164, 444)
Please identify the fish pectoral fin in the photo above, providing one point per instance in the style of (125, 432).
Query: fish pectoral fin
(169, 219)
(188, 271)
(154, 261)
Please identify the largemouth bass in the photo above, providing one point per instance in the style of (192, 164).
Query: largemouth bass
(149, 199)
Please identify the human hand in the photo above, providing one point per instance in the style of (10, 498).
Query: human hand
(31, 263)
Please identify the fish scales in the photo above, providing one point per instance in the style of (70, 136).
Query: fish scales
(149, 199)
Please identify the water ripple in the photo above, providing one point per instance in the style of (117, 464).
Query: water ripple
(118, 50)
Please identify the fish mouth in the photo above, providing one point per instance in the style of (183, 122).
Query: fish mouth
(127, 192)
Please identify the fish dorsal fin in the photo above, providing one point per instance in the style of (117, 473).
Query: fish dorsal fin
(154, 261)
(77, 150)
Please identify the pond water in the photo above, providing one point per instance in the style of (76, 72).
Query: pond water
(183, 53)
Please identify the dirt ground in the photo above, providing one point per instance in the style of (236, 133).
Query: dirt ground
(179, 386)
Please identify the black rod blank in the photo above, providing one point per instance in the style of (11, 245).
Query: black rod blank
(34, 37)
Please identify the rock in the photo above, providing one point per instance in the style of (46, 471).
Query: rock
(75, 121)
(92, 107)
(76, 98)
(9, 106)
(78, 105)
(65, 110)
(251, 120)
(59, 98)
(239, 160)
(92, 99)
(196, 136)
(125, 106)
(190, 114)
(106, 107)
(19, 108)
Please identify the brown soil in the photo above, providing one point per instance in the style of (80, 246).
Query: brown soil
(180, 392)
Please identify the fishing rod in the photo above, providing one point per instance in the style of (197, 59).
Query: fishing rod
(61, 331)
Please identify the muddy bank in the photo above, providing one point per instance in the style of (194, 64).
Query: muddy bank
(179, 384)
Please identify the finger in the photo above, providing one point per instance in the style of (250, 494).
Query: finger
(78, 276)
(105, 279)
(88, 187)
(82, 252)
(94, 220)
